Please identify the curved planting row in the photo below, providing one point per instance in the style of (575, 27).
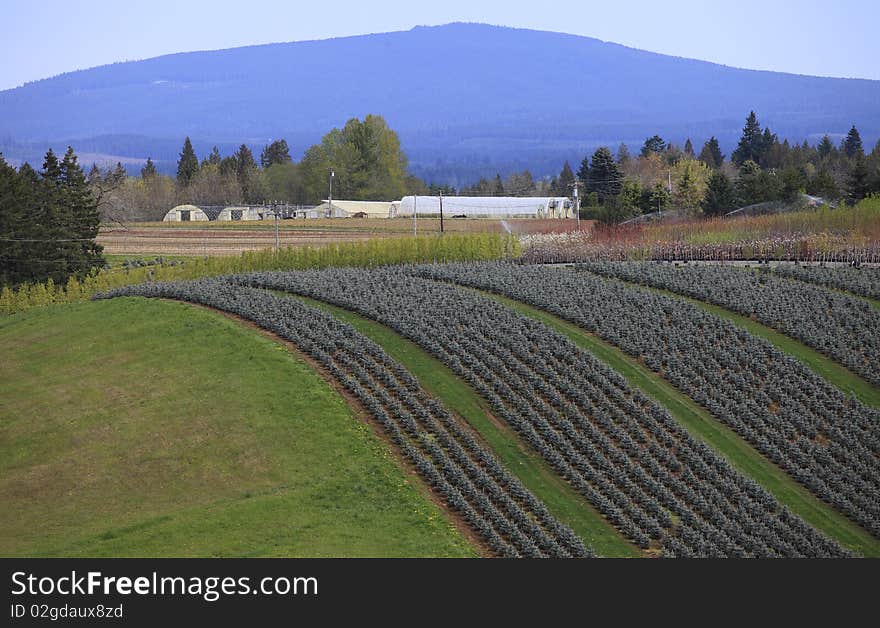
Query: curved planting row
(844, 328)
(826, 441)
(495, 505)
(624, 453)
(863, 280)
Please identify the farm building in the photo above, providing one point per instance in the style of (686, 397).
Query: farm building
(345, 209)
(488, 206)
(242, 213)
(188, 213)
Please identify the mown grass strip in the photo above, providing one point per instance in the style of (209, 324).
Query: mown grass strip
(563, 501)
(141, 427)
(834, 373)
(722, 439)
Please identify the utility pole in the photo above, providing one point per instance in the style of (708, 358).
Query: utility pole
(330, 196)
(415, 213)
(275, 213)
(441, 212)
(577, 207)
(668, 189)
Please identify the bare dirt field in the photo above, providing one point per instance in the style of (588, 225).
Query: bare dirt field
(231, 238)
(209, 241)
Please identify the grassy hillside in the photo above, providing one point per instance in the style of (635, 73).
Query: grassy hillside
(138, 427)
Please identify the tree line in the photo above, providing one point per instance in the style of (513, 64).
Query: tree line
(48, 222)
(761, 169)
(364, 154)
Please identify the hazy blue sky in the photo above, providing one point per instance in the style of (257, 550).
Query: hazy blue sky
(836, 38)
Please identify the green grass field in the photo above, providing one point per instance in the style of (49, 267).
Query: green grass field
(562, 501)
(139, 427)
(721, 438)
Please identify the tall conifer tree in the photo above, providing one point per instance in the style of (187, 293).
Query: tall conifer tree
(751, 143)
(188, 164)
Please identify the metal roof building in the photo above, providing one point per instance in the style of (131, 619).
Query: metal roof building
(343, 208)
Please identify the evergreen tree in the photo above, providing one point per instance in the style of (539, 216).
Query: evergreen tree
(769, 142)
(35, 259)
(720, 195)
(825, 147)
(566, 180)
(247, 174)
(278, 152)
(631, 194)
(94, 175)
(673, 154)
(605, 178)
(52, 220)
(497, 186)
(149, 170)
(824, 185)
(659, 197)
(794, 183)
(520, 184)
(583, 173)
(118, 174)
(615, 210)
(229, 166)
(873, 166)
(711, 154)
(689, 149)
(748, 185)
(188, 164)
(51, 169)
(213, 159)
(852, 143)
(859, 179)
(12, 224)
(623, 156)
(751, 144)
(82, 218)
(653, 144)
(244, 159)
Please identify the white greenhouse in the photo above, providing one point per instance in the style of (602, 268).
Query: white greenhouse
(242, 213)
(186, 213)
(488, 206)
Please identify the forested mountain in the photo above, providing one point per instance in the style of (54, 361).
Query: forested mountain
(466, 99)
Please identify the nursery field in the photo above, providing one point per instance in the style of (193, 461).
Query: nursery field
(604, 409)
(843, 234)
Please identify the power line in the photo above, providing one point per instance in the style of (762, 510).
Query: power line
(50, 240)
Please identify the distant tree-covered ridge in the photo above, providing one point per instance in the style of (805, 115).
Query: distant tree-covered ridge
(465, 100)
